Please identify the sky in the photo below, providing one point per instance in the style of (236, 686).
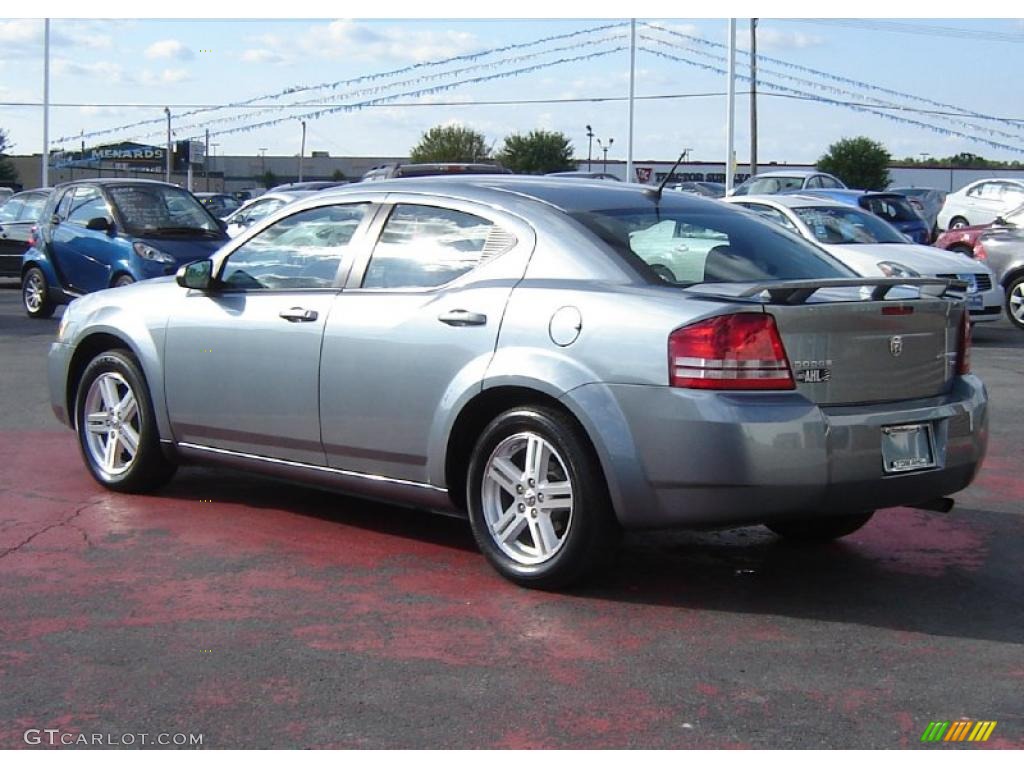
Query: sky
(97, 63)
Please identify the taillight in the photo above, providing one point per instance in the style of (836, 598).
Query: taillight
(963, 352)
(740, 351)
(32, 236)
(979, 251)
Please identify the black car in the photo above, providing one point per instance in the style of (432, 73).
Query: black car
(17, 217)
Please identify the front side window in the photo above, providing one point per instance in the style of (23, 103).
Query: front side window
(86, 205)
(423, 247)
(163, 211)
(847, 226)
(682, 247)
(300, 251)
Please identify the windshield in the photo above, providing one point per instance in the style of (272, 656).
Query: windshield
(682, 247)
(769, 185)
(890, 207)
(847, 226)
(156, 209)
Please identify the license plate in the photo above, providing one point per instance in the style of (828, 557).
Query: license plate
(974, 301)
(907, 447)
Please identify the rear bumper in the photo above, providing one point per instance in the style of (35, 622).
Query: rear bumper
(691, 458)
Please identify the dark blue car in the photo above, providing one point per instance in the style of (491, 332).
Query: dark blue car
(894, 208)
(104, 233)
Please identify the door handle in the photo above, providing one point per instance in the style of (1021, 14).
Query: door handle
(298, 315)
(462, 317)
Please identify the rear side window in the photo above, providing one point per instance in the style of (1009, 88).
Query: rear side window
(423, 247)
(683, 247)
(890, 208)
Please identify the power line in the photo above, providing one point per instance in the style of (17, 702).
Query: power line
(930, 30)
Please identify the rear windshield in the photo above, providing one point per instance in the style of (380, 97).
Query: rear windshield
(842, 225)
(890, 207)
(683, 247)
(769, 185)
(162, 210)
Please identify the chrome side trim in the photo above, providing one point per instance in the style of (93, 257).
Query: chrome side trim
(311, 467)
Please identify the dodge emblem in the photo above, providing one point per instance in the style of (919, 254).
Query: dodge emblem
(896, 346)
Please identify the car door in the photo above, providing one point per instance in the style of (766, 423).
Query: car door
(241, 367)
(415, 330)
(84, 256)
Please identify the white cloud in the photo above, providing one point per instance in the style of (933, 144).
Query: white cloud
(169, 49)
(770, 38)
(165, 77)
(105, 71)
(262, 56)
(350, 39)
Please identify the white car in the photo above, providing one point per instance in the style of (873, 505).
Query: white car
(258, 208)
(872, 247)
(980, 202)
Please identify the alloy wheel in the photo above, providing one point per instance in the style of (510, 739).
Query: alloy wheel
(34, 292)
(1015, 302)
(527, 498)
(112, 423)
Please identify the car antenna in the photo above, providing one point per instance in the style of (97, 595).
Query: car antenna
(656, 193)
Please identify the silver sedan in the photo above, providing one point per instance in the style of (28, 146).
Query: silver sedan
(556, 359)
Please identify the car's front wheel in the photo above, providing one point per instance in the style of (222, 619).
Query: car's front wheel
(1015, 301)
(116, 426)
(820, 529)
(538, 503)
(35, 294)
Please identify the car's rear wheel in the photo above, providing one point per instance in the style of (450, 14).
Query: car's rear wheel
(820, 529)
(35, 294)
(116, 426)
(122, 280)
(538, 503)
(957, 222)
(1015, 301)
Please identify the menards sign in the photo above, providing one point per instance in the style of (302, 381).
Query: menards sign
(127, 152)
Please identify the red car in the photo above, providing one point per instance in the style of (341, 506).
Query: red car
(963, 239)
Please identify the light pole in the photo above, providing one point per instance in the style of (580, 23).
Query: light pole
(213, 154)
(46, 104)
(590, 144)
(302, 150)
(604, 148)
(263, 164)
(167, 111)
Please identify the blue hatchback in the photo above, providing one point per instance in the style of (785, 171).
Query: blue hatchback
(894, 208)
(104, 233)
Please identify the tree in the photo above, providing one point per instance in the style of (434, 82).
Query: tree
(8, 173)
(860, 162)
(268, 179)
(450, 144)
(338, 175)
(537, 152)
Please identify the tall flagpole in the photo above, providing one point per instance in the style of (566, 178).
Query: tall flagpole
(632, 93)
(730, 137)
(46, 103)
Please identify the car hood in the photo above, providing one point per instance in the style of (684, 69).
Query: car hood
(184, 250)
(921, 258)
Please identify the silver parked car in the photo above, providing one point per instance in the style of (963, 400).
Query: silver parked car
(1002, 248)
(557, 359)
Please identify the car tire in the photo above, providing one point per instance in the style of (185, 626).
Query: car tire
(122, 280)
(35, 294)
(958, 222)
(532, 541)
(113, 404)
(820, 529)
(1015, 301)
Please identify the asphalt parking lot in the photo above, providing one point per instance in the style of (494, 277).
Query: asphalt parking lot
(264, 615)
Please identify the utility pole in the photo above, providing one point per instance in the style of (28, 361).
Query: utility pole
(302, 150)
(753, 97)
(730, 118)
(206, 159)
(46, 103)
(590, 145)
(167, 111)
(632, 93)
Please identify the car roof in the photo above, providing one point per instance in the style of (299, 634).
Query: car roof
(797, 174)
(118, 182)
(561, 192)
(791, 201)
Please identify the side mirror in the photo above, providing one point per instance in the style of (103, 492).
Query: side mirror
(197, 275)
(99, 224)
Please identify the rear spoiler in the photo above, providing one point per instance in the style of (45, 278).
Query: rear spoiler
(799, 291)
